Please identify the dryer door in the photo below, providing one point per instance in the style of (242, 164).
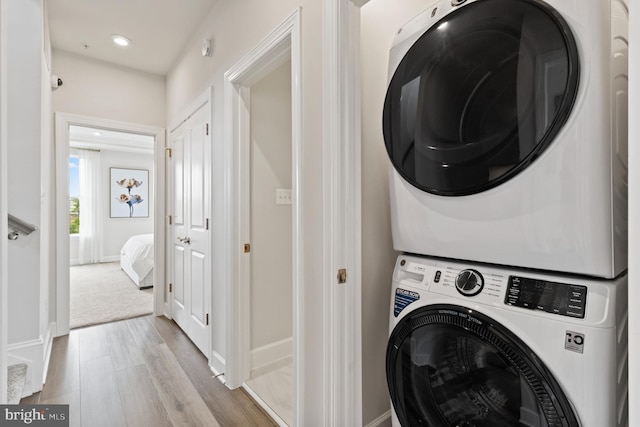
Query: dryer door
(480, 95)
(448, 366)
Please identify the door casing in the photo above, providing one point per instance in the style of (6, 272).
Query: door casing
(281, 45)
(62, 123)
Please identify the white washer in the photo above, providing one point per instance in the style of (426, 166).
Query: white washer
(480, 346)
(506, 125)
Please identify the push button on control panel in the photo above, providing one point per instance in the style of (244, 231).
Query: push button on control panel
(436, 278)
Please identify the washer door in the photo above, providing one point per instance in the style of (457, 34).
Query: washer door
(448, 366)
(480, 95)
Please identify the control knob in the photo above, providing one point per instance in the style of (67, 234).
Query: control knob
(469, 282)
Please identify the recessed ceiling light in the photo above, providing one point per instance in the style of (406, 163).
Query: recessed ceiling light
(120, 40)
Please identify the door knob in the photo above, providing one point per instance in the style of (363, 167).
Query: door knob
(186, 240)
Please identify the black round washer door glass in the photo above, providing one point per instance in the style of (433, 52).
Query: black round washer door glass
(479, 95)
(450, 367)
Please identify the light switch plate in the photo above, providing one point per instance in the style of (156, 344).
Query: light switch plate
(283, 196)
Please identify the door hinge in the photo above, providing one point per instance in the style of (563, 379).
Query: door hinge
(247, 248)
(170, 219)
(169, 151)
(207, 224)
(170, 287)
(342, 276)
(207, 128)
(207, 319)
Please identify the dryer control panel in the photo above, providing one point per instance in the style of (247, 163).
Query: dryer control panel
(551, 297)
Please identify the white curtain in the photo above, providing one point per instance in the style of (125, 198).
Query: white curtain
(89, 235)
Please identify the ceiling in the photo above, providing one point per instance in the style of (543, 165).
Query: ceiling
(102, 139)
(158, 29)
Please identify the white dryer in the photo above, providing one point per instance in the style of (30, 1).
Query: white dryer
(505, 122)
(479, 346)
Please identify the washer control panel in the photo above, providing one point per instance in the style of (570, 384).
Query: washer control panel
(551, 297)
(489, 285)
(469, 282)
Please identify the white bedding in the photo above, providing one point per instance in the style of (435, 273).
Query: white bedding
(138, 251)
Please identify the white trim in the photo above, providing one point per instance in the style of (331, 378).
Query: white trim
(383, 419)
(34, 353)
(4, 282)
(341, 228)
(62, 123)
(271, 354)
(217, 364)
(48, 342)
(284, 40)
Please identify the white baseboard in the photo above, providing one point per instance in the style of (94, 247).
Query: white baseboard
(217, 365)
(112, 258)
(36, 354)
(382, 420)
(269, 354)
(48, 346)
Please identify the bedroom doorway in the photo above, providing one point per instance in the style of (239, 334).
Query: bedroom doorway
(106, 198)
(110, 225)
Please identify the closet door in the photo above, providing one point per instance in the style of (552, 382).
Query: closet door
(190, 248)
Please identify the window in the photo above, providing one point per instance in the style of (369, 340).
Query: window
(74, 195)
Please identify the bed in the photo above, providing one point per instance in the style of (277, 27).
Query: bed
(136, 259)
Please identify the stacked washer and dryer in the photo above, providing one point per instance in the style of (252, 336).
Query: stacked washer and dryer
(505, 122)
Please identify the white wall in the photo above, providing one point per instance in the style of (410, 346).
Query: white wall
(98, 89)
(3, 202)
(115, 231)
(236, 28)
(24, 136)
(271, 232)
(29, 191)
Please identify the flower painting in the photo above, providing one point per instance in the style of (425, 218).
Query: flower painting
(129, 193)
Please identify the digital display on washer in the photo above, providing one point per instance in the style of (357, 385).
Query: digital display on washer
(551, 297)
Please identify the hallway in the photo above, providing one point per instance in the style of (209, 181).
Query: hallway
(140, 372)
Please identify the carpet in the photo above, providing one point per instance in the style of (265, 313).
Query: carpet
(102, 293)
(16, 377)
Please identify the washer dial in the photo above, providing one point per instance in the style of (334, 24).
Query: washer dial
(469, 282)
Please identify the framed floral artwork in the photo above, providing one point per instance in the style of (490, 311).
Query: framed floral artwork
(129, 193)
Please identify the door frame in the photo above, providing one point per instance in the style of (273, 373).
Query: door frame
(62, 123)
(342, 212)
(282, 43)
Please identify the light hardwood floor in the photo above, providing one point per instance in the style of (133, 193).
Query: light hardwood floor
(140, 372)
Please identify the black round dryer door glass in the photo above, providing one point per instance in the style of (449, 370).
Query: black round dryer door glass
(480, 95)
(450, 367)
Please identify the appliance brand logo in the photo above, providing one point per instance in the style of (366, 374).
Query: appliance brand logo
(574, 341)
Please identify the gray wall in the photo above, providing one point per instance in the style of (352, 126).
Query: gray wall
(98, 89)
(380, 19)
(271, 246)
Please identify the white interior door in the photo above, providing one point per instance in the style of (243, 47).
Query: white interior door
(190, 249)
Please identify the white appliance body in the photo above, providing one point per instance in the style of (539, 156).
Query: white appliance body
(584, 349)
(566, 210)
